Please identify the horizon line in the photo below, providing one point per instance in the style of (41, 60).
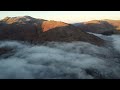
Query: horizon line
(65, 20)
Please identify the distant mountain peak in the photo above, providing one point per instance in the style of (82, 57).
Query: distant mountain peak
(20, 19)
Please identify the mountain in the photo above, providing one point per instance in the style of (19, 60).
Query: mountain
(106, 27)
(26, 28)
(21, 20)
(69, 33)
(20, 28)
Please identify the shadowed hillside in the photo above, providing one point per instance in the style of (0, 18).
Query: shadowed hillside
(105, 27)
(69, 34)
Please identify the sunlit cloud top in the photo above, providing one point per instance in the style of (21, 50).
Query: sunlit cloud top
(66, 16)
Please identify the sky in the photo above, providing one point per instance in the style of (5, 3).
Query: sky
(65, 16)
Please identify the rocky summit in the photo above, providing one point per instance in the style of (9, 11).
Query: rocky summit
(26, 28)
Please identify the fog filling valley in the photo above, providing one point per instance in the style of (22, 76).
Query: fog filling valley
(55, 60)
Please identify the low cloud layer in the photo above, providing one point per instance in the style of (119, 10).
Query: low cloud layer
(76, 60)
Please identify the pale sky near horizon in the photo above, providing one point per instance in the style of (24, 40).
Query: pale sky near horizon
(66, 16)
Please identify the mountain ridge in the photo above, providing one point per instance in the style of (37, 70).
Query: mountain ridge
(33, 30)
(105, 26)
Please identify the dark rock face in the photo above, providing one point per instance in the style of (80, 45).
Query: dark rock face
(105, 27)
(4, 50)
(30, 29)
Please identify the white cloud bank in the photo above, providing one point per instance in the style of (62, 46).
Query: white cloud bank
(77, 60)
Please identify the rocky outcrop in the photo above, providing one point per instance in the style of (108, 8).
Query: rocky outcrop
(30, 29)
(106, 27)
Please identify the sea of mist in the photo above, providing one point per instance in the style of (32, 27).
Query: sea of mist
(55, 60)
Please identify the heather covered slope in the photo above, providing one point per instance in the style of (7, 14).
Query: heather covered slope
(31, 29)
(69, 34)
